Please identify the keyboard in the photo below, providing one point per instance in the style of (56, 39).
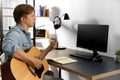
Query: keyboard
(82, 55)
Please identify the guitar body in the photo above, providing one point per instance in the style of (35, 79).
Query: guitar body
(21, 71)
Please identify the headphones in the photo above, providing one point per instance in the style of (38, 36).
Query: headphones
(57, 22)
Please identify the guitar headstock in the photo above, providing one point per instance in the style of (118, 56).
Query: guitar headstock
(52, 38)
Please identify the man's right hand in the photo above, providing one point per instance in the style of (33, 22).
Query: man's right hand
(36, 63)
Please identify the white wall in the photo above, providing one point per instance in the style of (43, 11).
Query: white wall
(88, 11)
(95, 11)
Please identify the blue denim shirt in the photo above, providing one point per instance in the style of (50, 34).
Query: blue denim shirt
(16, 38)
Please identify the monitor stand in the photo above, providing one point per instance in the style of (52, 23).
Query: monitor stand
(95, 57)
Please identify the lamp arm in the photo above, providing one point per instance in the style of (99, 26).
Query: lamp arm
(61, 16)
(56, 35)
(62, 48)
(56, 38)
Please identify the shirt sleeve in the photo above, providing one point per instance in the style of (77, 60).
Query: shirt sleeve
(11, 43)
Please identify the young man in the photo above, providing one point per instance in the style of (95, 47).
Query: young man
(17, 40)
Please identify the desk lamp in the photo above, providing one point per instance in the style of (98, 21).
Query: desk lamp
(57, 24)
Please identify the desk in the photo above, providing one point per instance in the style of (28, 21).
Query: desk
(87, 69)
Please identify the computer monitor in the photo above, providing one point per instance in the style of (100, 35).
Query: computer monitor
(93, 37)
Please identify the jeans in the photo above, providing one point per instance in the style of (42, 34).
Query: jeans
(47, 77)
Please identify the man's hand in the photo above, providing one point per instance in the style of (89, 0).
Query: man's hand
(35, 63)
(53, 43)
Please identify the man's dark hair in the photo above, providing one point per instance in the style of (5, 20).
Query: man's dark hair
(22, 10)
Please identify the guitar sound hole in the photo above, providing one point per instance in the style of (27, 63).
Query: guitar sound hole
(39, 71)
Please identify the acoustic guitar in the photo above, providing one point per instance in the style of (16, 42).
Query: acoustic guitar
(18, 70)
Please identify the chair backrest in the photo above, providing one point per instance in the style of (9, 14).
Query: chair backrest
(1, 40)
(6, 72)
(1, 28)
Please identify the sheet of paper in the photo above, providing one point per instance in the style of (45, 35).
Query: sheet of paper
(64, 60)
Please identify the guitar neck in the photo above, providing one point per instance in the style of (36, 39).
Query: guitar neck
(45, 52)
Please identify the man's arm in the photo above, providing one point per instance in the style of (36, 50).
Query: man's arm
(21, 55)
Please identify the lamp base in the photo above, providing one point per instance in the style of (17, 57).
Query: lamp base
(60, 48)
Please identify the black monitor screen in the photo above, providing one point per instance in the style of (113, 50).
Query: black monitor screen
(92, 37)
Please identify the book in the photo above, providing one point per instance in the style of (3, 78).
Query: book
(40, 10)
(44, 11)
(63, 60)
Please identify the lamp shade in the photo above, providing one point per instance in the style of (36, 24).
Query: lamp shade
(66, 16)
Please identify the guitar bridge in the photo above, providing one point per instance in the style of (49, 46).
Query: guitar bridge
(32, 70)
(36, 72)
(39, 71)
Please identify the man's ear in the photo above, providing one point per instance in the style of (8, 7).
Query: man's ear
(22, 19)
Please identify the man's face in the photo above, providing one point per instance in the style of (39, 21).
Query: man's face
(30, 19)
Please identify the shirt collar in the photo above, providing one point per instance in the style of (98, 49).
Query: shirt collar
(21, 29)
